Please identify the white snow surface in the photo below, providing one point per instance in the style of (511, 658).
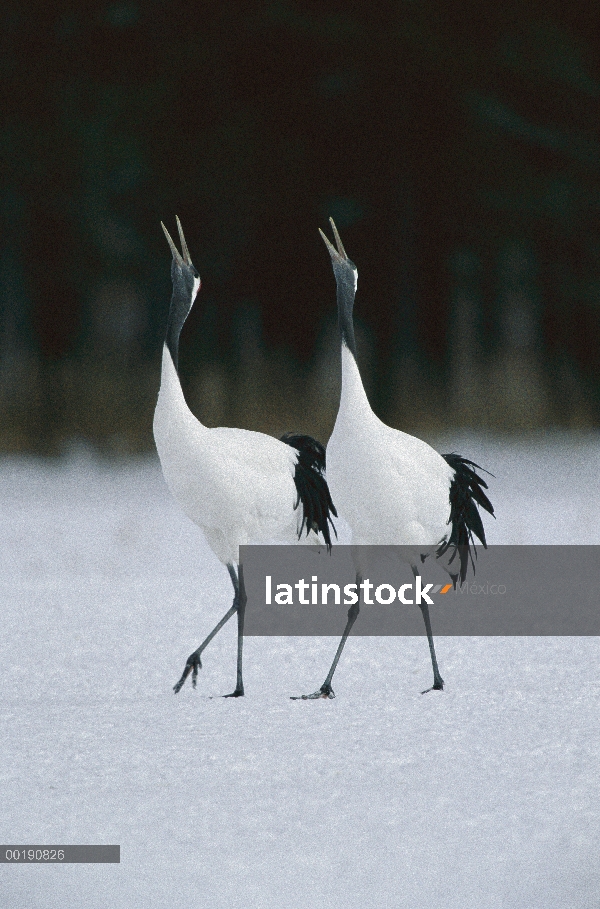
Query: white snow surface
(484, 795)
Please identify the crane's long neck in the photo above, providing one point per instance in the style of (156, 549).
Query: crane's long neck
(171, 400)
(172, 342)
(346, 292)
(181, 303)
(353, 400)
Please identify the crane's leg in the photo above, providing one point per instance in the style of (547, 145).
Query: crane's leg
(240, 592)
(194, 663)
(438, 682)
(326, 691)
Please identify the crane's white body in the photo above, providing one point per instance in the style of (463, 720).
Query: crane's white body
(239, 487)
(390, 487)
(236, 485)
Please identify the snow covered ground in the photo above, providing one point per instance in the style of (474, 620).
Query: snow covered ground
(484, 795)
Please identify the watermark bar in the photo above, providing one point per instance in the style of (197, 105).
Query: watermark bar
(512, 590)
(57, 855)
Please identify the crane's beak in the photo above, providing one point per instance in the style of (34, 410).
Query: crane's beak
(339, 254)
(174, 249)
(338, 241)
(186, 258)
(184, 249)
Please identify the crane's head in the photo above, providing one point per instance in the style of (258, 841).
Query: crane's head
(186, 280)
(344, 269)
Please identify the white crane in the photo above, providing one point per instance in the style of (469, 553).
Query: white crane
(392, 488)
(239, 487)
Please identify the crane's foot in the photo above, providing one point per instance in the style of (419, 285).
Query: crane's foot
(238, 693)
(325, 691)
(438, 685)
(193, 664)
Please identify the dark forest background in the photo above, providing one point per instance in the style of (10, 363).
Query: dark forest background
(457, 146)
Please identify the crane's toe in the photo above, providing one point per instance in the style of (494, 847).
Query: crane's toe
(238, 693)
(438, 685)
(193, 664)
(325, 691)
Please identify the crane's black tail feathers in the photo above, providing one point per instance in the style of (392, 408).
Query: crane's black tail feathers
(311, 486)
(466, 493)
